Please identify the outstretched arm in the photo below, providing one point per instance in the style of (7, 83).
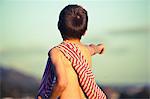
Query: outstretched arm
(96, 49)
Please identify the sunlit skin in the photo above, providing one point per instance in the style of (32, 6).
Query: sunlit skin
(67, 85)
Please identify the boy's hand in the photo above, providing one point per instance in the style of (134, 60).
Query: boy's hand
(96, 49)
(100, 48)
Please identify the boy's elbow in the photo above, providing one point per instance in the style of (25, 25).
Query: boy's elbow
(62, 85)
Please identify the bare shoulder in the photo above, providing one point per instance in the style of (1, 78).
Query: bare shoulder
(54, 51)
(85, 51)
(55, 54)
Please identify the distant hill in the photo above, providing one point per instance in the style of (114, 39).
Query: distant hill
(16, 84)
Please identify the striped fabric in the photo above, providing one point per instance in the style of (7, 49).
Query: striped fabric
(48, 81)
(83, 70)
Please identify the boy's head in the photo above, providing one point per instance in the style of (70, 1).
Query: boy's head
(73, 20)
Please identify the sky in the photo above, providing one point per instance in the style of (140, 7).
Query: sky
(28, 29)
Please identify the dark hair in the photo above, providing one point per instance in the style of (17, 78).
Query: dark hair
(72, 22)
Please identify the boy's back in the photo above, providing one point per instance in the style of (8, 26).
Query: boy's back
(73, 89)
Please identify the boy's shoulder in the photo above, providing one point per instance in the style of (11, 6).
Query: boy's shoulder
(85, 47)
(54, 52)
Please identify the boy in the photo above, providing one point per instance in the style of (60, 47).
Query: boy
(68, 72)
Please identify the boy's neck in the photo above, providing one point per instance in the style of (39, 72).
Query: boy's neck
(76, 41)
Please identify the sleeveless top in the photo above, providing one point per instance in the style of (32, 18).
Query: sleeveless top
(85, 76)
